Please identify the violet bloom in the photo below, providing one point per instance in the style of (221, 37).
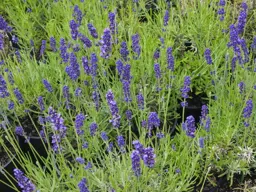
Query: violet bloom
(78, 15)
(94, 65)
(153, 121)
(42, 49)
(119, 67)
(53, 44)
(79, 123)
(242, 19)
(245, 50)
(104, 136)
(124, 51)
(201, 142)
(234, 41)
(73, 29)
(86, 41)
(4, 25)
(140, 101)
(126, 91)
(78, 92)
(86, 66)
(138, 146)
(63, 51)
(15, 39)
(112, 23)
(10, 105)
(126, 73)
(241, 87)
(157, 70)
(76, 48)
(113, 109)
(1, 41)
(170, 59)
(24, 183)
(221, 13)
(41, 103)
(157, 54)
(149, 157)
(222, 3)
(18, 95)
(121, 143)
(186, 87)
(57, 123)
(92, 30)
(3, 88)
(19, 131)
(207, 55)
(106, 45)
(204, 112)
(47, 86)
(110, 147)
(136, 45)
(93, 128)
(82, 185)
(128, 114)
(166, 17)
(247, 111)
(189, 126)
(80, 160)
(159, 135)
(18, 57)
(96, 99)
(135, 157)
(73, 70)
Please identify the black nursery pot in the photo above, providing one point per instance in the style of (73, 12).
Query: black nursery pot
(6, 184)
(38, 144)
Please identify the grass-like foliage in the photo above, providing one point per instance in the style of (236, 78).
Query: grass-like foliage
(106, 87)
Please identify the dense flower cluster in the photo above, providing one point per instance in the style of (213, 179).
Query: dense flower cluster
(186, 87)
(24, 183)
(207, 55)
(189, 126)
(92, 30)
(136, 45)
(3, 88)
(106, 45)
(79, 123)
(82, 185)
(124, 51)
(73, 70)
(93, 128)
(78, 15)
(53, 44)
(113, 109)
(47, 85)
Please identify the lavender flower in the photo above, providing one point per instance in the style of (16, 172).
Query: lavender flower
(76, 48)
(189, 126)
(162, 42)
(157, 54)
(78, 92)
(207, 124)
(41, 103)
(120, 141)
(85, 64)
(204, 112)
(88, 166)
(63, 51)
(138, 146)
(166, 17)
(1, 41)
(135, 45)
(201, 142)
(79, 123)
(186, 87)
(207, 55)
(80, 160)
(149, 157)
(82, 185)
(78, 15)
(245, 50)
(126, 91)
(140, 101)
(24, 183)
(57, 123)
(73, 29)
(135, 157)
(247, 112)
(18, 57)
(113, 109)
(15, 39)
(126, 73)
(94, 64)
(153, 121)
(47, 85)
(96, 99)
(124, 51)
(234, 41)
(53, 44)
(160, 135)
(112, 23)
(104, 136)
(128, 114)
(4, 25)
(110, 147)
(106, 45)
(18, 95)
(170, 59)
(85, 145)
(42, 49)
(3, 87)
(10, 105)
(221, 13)
(241, 87)
(19, 131)
(93, 128)
(242, 19)
(73, 69)
(119, 67)
(157, 70)
(86, 41)
(92, 30)
(222, 3)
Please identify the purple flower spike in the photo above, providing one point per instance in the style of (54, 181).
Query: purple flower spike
(170, 59)
(242, 18)
(186, 87)
(124, 51)
(86, 66)
(42, 49)
(73, 29)
(41, 103)
(82, 185)
(24, 183)
(92, 30)
(140, 101)
(166, 17)
(149, 157)
(73, 70)
(78, 15)
(80, 160)
(93, 128)
(189, 126)
(135, 157)
(106, 45)
(63, 51)
(3, 88)
(18, 95)
(104, 136)
(153, 121)
(19, 131)
(207, 55)
(157, 70)
(247, 112)
(113, 109)
(112, 23)
(86, 41)
(47, 85)
(135, 45)
(53, 44)
(79, 123)
(201, 142)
